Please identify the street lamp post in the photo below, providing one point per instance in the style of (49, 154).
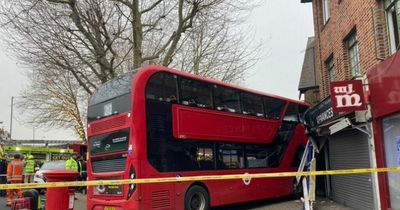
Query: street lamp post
(11, 118)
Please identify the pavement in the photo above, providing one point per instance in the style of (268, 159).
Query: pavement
(276, 204)
(286, 203)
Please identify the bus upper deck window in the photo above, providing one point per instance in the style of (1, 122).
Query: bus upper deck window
(226, 99)
(162, 87)
(195, 93)
(252, 105)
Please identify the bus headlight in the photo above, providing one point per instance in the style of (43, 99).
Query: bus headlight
(132, 187)
(101, 189)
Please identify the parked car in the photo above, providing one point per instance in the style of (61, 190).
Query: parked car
(51, 165)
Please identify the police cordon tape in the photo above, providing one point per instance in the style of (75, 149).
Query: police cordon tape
(245, 177)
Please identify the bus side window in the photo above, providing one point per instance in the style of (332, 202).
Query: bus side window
(292, 113)
(205, 157)
(195, 93)
(162, 87)
(273, 107)
(230, 156)
(302, 110)
(257, 156)
(252, 105)
(226, 99)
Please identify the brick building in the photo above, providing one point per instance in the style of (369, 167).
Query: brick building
(351, 38)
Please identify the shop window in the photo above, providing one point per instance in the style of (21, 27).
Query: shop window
(252, 105)
(226, 99)
(391, 135)
(195, 93)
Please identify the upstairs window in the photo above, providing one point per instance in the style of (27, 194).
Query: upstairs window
(330, 66)
(393, 18)
(162, 87)
(195, 93)
(252, 105)
(226, 99)
(326, 13)
(354, 57)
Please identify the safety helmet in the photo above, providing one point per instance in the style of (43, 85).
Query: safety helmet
(30, 156)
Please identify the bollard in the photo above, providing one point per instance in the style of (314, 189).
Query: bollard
(60, 198)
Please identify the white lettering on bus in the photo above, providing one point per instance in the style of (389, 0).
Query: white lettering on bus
(120, 139)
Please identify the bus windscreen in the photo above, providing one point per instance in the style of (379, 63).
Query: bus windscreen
(111, 98)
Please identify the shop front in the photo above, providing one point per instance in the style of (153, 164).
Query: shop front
(344, 142)
(384, 84)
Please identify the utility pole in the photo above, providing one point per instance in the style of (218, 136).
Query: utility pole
(11, 118)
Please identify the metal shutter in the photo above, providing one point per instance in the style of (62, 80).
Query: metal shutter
(347, 150)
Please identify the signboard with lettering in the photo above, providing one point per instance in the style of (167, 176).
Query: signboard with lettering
(347, 96)
(320, 114)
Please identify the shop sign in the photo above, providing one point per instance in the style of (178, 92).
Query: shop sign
(320, 114)
(347, 96)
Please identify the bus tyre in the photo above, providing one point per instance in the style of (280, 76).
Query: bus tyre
(197, 198)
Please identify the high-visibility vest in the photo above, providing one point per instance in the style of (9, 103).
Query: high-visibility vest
(14, 170)
(71, 164)
(30, 166)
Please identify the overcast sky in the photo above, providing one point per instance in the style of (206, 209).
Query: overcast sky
(282, 25)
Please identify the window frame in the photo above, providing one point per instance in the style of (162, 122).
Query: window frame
(330, 68)
(353, 54)
(326, 13)
(392, 9)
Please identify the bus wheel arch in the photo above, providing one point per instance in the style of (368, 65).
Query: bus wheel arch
(197, 197)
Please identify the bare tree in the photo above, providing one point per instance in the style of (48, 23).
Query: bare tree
(79, 45)
(59, 103)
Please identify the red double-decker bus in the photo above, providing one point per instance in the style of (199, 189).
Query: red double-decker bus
(159, 122)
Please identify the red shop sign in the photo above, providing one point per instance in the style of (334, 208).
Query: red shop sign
(347, 96)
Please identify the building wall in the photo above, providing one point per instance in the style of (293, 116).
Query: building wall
(312, 96)
(363, 16)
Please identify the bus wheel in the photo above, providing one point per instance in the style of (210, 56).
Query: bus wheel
(197, 198)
